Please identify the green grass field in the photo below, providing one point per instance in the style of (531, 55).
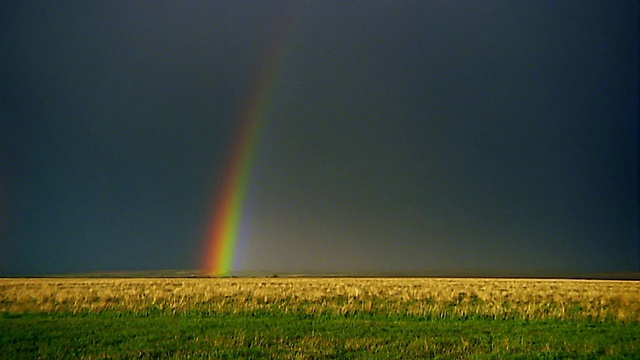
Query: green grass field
(318, 318)
(200, 335)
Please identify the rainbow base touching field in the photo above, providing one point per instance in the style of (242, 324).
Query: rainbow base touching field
(224, 224)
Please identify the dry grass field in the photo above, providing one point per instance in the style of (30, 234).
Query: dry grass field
(594, 300)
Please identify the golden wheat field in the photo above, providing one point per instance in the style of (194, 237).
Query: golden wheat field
(495, 298)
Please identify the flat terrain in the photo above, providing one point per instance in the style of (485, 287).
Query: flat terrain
(319, 318)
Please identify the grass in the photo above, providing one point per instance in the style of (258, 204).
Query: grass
(318, 318)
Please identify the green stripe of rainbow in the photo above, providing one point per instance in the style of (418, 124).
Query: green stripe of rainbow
(224, 224)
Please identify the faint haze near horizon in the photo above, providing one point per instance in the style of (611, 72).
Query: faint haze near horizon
(403, 137)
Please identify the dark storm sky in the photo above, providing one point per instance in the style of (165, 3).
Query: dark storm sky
(402, 135)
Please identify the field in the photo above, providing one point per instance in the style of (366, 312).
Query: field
(319, 318)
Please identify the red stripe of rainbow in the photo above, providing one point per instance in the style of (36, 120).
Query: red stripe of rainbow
(224, 224)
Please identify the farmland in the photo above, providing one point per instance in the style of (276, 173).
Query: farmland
(319, 318)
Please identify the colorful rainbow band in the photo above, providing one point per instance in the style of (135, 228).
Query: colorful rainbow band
(224, 224)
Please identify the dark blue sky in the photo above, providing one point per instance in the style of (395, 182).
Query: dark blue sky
(402, 136)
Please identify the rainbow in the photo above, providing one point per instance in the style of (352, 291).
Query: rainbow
(224, 222)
